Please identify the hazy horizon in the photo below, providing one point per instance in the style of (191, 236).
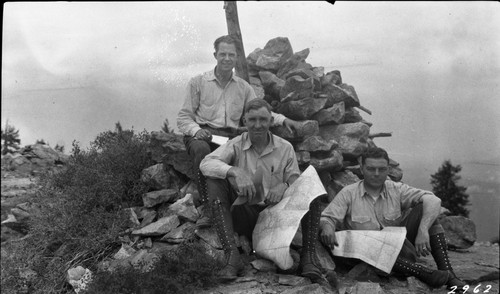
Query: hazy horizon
(429, 71)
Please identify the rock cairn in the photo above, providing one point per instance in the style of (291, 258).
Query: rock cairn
(333, 134)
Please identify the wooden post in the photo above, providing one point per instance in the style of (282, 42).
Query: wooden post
(233, 29)
(377, 135)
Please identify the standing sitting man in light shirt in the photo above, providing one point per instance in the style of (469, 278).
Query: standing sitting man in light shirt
(214, 106)
(375, 202)
(231, 173)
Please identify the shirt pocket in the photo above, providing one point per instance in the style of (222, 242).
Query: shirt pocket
(208, 98)
(360, 219)
(236, 110)
(392, 217)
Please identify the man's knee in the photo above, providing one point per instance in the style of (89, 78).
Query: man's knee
(218, 189)
(199, 148)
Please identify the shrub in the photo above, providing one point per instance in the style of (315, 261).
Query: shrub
(178, 271)
(79, 212)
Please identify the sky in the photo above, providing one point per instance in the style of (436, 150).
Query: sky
(428, 71)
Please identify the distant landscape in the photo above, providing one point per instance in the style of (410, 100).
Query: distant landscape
(482, 179)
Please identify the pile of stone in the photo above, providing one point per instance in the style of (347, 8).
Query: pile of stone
(332, 134)
(34, 158)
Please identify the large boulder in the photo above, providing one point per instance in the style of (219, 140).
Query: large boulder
(297, 60)
(332, 161)
(271, 83)
(352, 138)
(331, 115)
(302, 109)
(460, 231)
(315, 143)
(299, 86)
(271, 58)
(169, 149)
(161, 176)
(307, 128)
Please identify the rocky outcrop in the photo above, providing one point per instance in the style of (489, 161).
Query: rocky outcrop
(34, 158)
(460, 231)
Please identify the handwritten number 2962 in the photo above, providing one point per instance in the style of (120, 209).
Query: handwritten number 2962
(477, 289)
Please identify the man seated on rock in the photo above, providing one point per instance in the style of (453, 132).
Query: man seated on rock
(214, 106)
(375, 202)
(230, 172)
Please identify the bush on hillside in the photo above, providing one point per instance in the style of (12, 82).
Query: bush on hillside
(184, 270)
(79, 212)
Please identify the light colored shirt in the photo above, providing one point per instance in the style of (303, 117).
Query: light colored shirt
(208, 103)
(277, 162)
(353, 209)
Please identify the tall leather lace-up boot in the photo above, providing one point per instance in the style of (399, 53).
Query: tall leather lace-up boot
(309, 264)
(440, 255)
(206, 213)
(433, 278)
(224, 226)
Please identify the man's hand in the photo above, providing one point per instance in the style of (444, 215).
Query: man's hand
(327, 235)
(243, 182)
(422, 243)
(291, 125)
(276, 193)
(203, 134)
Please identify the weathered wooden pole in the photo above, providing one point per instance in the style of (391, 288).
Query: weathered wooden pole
(233, 29)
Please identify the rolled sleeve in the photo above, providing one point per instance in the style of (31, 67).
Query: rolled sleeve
(278, 118)
(336, 211)
(410, 196)
(217, 163)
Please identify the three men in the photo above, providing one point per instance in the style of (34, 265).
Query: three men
(214, 106)
(375, 202)
(231, 173)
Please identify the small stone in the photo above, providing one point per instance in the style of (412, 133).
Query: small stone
(263, 265)
(292, 280)
(157, 197)
(314, 143)
(160, 227)
(124, 252)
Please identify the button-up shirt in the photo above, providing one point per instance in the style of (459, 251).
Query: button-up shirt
(277, 162)
(208, 103)
(353, 209)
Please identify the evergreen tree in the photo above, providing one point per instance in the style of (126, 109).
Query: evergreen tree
(10, 138)
(445, 186)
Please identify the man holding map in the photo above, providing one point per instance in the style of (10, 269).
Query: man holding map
(247, 174)
(214, 106)
(375, 203)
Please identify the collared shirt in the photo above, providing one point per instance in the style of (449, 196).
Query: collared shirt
(353, 209)
(277, 162)
(208, 103)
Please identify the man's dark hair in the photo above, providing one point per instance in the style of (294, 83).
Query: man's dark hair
(257, 104)
(224, 39)
(375, 152)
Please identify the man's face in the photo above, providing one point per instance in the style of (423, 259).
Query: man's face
(258, 122)
(226, 56)
(375, 171)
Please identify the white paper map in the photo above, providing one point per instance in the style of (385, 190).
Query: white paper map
(219, 140)
(278, 224)
(377, 248)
